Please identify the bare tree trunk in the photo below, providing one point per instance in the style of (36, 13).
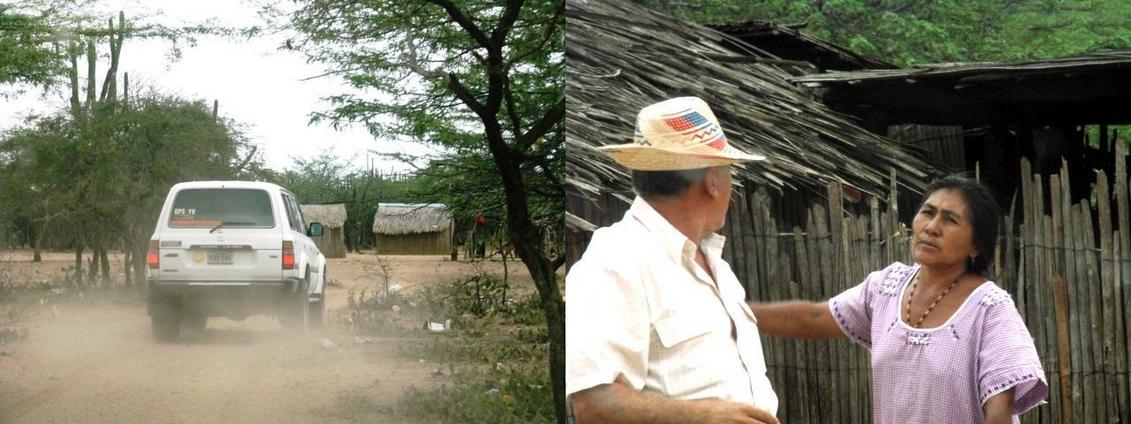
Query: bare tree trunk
(139, 264)
(39, 242)
(126, 271)
(138, 247)
(506, 284)
(95, 259)
(78, 257)
(105, 262)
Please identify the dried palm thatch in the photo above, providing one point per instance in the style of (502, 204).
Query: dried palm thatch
(410, 218)
(789, 42)
(331, 215)
(621, 57)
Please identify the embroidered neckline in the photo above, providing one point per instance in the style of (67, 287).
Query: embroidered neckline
(961, 308)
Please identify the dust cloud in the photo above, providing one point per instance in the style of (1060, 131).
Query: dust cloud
(95, 361)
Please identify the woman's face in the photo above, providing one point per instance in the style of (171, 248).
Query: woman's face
(943, 231)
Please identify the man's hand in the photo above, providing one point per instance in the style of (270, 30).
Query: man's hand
(723, 411)
(620, 403)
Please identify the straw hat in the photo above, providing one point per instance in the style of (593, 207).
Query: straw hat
(676, 134)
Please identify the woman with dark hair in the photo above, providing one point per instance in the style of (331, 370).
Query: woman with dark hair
(947, 344)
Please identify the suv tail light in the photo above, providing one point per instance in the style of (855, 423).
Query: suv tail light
(153, 258)
(288, 255)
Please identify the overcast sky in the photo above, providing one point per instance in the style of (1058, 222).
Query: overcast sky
(255, 83)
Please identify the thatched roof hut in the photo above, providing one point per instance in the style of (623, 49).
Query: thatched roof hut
(330, 215)
(410, 218)
(413, 229)
(332, 242)
(622, 57)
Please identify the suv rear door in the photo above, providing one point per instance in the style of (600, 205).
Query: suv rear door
(221, 234)
(302, 242)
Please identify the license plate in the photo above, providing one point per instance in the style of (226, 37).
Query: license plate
(219, 257)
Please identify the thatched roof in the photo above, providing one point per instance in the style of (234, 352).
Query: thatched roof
(788, 42)
(1085, 89)
(410, 218)
(330, 215)
(622, 57)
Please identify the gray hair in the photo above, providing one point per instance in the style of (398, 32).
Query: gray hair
(665, 184)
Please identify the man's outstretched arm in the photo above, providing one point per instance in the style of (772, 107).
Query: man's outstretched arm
(619, 403)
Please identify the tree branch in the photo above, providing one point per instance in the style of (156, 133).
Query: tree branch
(551, 25)
(463, 21)
(328, 73)
(468, 98)
(510, 15)
(549, 119)
(247, 159)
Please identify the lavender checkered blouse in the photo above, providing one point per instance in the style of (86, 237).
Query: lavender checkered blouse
(942, 374)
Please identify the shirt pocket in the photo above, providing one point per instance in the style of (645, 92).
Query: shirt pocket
(679, 328)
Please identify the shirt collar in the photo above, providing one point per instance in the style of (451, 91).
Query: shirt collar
(670, 239)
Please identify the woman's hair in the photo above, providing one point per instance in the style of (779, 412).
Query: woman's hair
(984, 216)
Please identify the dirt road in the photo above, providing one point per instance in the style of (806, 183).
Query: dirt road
(94, 361)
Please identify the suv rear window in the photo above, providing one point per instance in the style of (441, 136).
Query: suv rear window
(230, 207)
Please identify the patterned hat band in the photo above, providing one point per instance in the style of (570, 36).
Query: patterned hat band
(680, 133)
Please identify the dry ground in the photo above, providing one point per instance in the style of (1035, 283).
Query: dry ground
(93, 360)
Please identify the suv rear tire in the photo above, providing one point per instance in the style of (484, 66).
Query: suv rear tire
(196, 321)
(295, 314)
(317, 309)
(166, 329)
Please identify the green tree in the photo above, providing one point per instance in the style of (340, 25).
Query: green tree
(477, 78)
(108, 179)
(909, 32)
(158, 141)
(27, 49)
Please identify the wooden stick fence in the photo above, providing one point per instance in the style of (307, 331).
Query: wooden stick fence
(1068, 268)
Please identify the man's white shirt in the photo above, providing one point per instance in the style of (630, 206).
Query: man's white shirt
(639, 306)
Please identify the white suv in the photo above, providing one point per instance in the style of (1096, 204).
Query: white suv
(233, 249)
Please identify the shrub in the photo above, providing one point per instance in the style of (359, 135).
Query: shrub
(507, 396)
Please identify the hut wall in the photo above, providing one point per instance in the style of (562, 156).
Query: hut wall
(435, 243)
(332, 242)
(943, 144)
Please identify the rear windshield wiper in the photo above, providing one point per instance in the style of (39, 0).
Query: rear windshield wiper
(221, 224)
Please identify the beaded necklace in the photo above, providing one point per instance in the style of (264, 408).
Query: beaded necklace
(914, 286)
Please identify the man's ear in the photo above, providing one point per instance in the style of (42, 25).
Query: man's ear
(712, 182)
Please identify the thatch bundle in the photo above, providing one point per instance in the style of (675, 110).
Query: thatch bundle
(622, 57)
(410, 218)
(331, 215)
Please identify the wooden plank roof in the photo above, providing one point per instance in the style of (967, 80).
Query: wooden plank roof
(1085, 89)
